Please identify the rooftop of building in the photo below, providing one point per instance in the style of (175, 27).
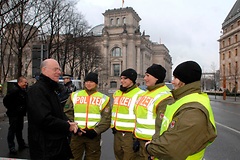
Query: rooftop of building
(232, 15)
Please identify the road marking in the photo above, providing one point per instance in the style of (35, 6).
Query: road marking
(234, 130)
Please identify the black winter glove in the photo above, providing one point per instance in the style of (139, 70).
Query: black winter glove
(78, 131)
(136, 145)
(90, 133)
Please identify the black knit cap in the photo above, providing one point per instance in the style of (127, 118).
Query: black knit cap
(130, 73)
(188, 72)
(157, 71)
(92, 77)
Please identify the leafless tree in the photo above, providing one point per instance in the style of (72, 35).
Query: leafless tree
(6, 6)
(77, 29)
(23, 29)
(58, 13)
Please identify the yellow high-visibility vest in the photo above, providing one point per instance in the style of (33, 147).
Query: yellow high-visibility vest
(123, 118)
(87, 108)
(145, 111)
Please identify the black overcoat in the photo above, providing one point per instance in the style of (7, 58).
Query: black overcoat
(47, 124)
(15, 101)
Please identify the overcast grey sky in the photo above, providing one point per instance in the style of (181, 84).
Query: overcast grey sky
(188, 28)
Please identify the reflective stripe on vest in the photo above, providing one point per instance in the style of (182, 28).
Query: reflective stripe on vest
(145, 111)
(171, 109)
(87, 109)
(123, 117)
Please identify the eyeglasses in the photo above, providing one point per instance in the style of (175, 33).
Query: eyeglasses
(55, 69)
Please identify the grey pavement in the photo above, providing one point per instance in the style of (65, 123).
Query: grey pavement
(212, 98)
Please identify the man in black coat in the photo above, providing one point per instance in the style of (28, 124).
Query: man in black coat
(48, 127)
(66, 89)
(68, 83)
(15, 102)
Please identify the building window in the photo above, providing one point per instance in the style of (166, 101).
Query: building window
(116, 52)
(116, 69)
(229, 41)
(111, 22)
(223, 43)
(229, 69)
(124, 20)
(223, 56)
(229, 54)
(236, 67)
(113, 84)
(236, 38)
(236, 52)
(118, 21)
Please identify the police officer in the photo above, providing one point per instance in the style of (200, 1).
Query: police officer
(68, 83)
(123, 117)
(188, 126)
(66, 89)
(150, 107)
(91, 110)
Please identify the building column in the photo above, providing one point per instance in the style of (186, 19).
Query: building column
(105, 64)
(138, 60)
(124, 54)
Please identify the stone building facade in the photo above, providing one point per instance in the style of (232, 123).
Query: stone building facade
(229, 44)
(123, 46)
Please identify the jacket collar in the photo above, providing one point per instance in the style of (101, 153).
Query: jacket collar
(51, 84)
(89, 92)
(128, 89)
(150, 88)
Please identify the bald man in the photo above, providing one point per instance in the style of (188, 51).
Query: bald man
(48, 127)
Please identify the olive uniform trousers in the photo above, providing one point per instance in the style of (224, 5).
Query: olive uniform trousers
(123, 146)
(81, 145)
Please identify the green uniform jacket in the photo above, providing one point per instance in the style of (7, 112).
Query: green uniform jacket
(105, 121)
(190, 130)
